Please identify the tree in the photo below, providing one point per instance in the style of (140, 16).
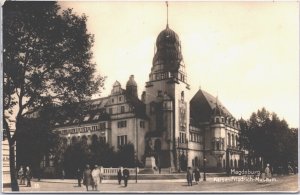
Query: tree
(125, 155)
(265, 135)
(102, 153)
(47, 58)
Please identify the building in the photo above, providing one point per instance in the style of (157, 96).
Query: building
(182, 129)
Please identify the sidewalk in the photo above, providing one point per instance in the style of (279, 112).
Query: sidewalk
(283, 183)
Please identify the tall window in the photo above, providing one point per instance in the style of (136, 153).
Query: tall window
(182, 137)
(229, 139)
(142, 124)
(102, 126)
(110, 111)
(122, 140)
(122, 109)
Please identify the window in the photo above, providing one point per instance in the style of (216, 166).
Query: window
(110, 111)
(142, 124)
(102, 126)
(157, 76)
(229, 140)
(102, 139)
(218, 145)
(122, 124)
(120, 99)
(122, 109)
(112, 100)
(94, 128)
(96, 117)
(86, 118)
(122, 140)
(182, 138)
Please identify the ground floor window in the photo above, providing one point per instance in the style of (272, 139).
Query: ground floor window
(122, 140)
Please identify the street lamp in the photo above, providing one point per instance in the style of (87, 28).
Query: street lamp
(204, 168)
(204, 157)
(136, 164)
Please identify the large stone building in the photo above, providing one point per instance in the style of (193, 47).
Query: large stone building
(182, 129)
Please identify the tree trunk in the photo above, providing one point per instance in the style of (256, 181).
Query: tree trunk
(13, 173)
(12, 167)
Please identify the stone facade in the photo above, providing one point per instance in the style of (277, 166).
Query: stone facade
(181, 129)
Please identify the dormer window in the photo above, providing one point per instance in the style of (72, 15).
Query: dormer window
(96, 117)
(86, 118)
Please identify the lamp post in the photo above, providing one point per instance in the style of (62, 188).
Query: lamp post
(204, 157)
(136, 164)
(204, 169)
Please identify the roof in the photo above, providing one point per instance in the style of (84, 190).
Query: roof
(168, 51)
(202, 106)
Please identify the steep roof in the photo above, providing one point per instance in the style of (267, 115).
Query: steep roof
(202, 105)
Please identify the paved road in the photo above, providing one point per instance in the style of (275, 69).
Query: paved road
(223, 184)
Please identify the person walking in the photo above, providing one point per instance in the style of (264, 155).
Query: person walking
(119, 176)
(96, 177)
(268, 172)
(197, 175)
(87, 177)
(63, 174)
(28, 176)
(189, 176)
(125, 176)
(79, 177)
(21, 176)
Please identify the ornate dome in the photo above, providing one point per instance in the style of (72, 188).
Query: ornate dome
(168, 51)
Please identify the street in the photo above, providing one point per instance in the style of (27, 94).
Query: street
(279, 184)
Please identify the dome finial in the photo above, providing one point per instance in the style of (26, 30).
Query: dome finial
(167, 14)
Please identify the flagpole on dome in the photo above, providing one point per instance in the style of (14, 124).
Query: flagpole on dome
(167, 14)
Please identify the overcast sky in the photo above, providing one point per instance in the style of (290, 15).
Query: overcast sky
(246, 53)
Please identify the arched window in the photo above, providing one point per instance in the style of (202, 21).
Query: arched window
(94, 138)
(84, 139)
(236, 140)
(235, 163)
(232, 140)
(229, 139)
(74, 140)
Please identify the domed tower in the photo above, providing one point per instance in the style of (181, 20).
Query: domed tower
(168, 77)
(131, 87)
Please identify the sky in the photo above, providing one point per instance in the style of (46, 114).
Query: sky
(246, 53)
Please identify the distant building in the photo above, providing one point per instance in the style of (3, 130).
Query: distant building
(175, 124)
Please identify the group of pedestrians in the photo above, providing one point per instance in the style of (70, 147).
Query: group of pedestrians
(25, 174)
(191, 174)
(90, 177)
(123, 175)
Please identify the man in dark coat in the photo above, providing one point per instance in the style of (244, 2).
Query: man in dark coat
(189, 176)
(197, 175)
(87, 177)
(28, 176)
(21, 175)
(79, 177)
(125, 176)
(119, 176)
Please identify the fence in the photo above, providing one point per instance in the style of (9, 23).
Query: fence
(114, 171)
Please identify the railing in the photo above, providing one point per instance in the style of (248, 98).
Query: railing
(114, 171)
